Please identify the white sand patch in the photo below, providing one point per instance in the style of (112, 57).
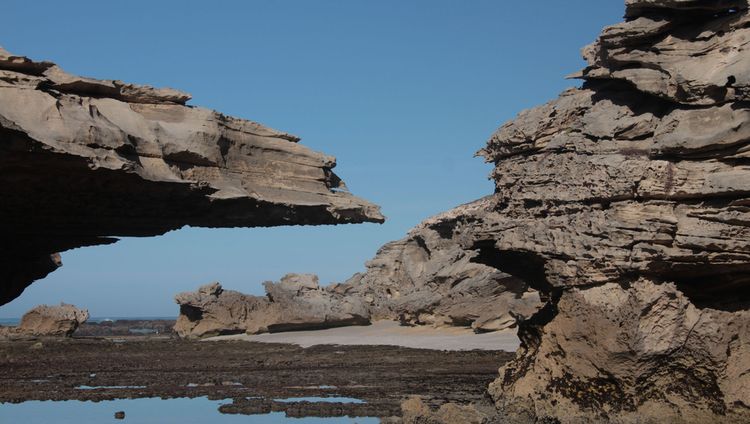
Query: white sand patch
(391, 333)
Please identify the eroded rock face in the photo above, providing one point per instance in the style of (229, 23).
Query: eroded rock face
(429, 278)
(297, 302)
(83, 160)
(48, 321)
(626, 203)
(639, 352)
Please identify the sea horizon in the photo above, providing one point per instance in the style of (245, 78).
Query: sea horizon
(16, 320)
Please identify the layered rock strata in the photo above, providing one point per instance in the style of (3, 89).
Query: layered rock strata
(429, 278)
(626, 204)
(48, 321)
(85, 160)
(297, 302)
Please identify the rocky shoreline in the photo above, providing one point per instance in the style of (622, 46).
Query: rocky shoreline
(122, 368)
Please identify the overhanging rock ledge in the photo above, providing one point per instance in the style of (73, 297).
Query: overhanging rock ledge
(85, 160)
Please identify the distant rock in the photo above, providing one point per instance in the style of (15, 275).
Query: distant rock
(87, 160)
(47, 321)
(297, 302)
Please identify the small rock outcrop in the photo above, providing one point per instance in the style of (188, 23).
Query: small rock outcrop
(48, 321)
(415, 411)
(297, 302)
(45, 320)
(85, 160)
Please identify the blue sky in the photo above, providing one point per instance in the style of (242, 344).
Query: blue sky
(401, 92)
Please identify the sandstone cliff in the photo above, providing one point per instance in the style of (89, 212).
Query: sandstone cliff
(626, 204)
(83, 160)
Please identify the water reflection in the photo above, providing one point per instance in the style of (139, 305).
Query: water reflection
(83, 387)
(146, 411)
(331, 399)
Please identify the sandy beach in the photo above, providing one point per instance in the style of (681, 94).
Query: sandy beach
(390, 333)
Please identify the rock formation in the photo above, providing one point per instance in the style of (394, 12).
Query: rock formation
(428, 278)
(297, 302)
(626, 204)
(83, 160)
(43, 320)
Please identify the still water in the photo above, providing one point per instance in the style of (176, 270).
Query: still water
(145, 411)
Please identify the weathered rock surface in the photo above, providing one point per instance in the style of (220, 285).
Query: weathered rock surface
(297, 302)
(428, 278)
(415, 411)
(639, 353)
(626, 204)
(44, 320)
(85, 160)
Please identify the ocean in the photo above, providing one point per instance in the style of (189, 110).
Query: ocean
(15, 321)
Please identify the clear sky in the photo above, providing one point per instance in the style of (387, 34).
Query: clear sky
(401, 92)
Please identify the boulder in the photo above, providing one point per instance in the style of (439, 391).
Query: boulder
(87, 160)
(48, 321)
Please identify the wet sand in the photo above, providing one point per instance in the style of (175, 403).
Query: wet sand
(390, 333)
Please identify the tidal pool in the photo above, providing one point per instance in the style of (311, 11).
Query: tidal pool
(328, 399)
(146, 411)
